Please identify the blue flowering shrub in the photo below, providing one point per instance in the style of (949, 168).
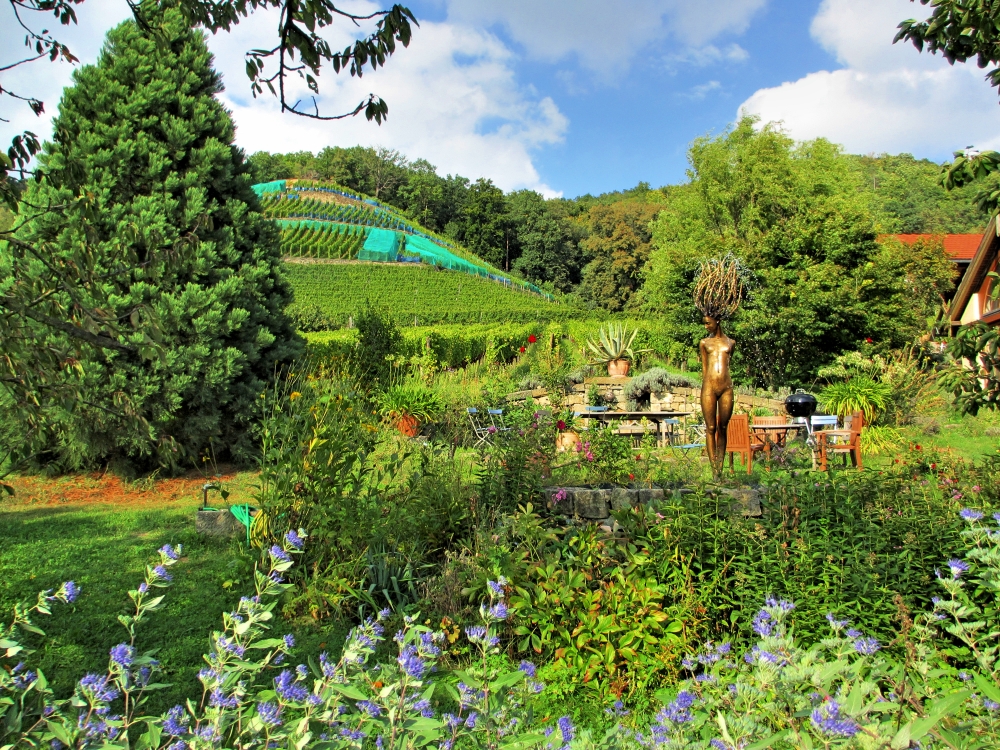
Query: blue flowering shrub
(842, 692)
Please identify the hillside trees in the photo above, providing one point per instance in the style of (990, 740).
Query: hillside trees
(909, 190)
(617, 248)
(482, 225)
(163, 356)
(546, 250)
(808, 232)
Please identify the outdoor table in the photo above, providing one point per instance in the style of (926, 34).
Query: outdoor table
(659, 418)
(775, 435)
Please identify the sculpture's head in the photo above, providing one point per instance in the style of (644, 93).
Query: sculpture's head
(711, 324)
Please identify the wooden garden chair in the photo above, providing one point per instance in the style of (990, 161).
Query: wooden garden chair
(778, 439)
(738, 440)
(845, 442)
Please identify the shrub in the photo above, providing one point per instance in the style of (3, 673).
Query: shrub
(857, 394)
(655, 380)
(410, 399)
(378, 340)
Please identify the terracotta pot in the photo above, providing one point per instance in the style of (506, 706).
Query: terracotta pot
(408, 425)
(618, 368)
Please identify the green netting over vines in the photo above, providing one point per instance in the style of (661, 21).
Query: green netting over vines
(381, 245)
(268, 187)
(435, 255)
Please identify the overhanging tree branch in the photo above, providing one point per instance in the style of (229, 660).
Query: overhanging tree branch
(94, 339)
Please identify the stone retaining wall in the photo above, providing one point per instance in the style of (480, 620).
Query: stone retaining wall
(675, 399)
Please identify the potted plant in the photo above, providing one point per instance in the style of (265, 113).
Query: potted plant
(408, 405)
(613, 347)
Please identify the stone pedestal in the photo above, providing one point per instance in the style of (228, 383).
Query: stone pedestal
(220, 523)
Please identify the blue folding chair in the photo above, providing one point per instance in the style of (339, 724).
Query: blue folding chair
(480, 429)
(496, 417)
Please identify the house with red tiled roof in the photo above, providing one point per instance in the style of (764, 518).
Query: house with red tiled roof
(961, 248)
(974, 299)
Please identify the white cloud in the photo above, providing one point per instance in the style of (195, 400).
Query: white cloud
(887, 98)
(604, 36)
(702, 57)
(42, 79)
(453, 97)
(453, 100)
(701, 91)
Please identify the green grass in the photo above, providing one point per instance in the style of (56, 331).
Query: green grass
(419, 293)
(965, 435)
(105, 549)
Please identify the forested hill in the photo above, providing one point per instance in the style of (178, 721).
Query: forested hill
(598, 247)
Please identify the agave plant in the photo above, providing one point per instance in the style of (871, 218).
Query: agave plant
(614, 343)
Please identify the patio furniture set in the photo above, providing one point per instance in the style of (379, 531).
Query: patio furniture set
(746, 438)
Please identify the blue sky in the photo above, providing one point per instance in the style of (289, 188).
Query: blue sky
(576, 96)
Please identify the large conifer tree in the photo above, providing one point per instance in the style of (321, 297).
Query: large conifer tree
(193, 288)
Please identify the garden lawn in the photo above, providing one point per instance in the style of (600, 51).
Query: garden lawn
(104, 548)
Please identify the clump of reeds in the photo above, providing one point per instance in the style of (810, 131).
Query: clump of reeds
(720, 287)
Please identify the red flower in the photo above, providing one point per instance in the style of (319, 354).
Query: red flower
(532, 339)
(522, 350)
(631, 476)
(561, 425)
(869, 340)
(917, 447)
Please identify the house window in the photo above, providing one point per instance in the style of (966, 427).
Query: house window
(991, 296)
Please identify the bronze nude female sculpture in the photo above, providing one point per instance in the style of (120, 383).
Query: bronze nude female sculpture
(717, 294)
(716, 388)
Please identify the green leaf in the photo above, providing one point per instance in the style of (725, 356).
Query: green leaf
(984, 684)
(765, 743)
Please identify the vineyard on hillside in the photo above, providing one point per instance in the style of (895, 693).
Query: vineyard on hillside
(416, 294)
(325, 222)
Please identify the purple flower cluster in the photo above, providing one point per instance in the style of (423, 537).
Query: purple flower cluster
(566, 729)
(169, 552)
(96, 689)
(970, 515)
(866, 646)
(269, 713)
(22, 679)
(278, 554)
(763, 624)
(288, 688)
(69, 591)
(835, 623)
(411, 663)
(176, 721)
(369, 708)
(827, 719)
(957, 567)
(160, 573)
(218, 699)
(294, 540)
(123, 655)
(678, 710)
